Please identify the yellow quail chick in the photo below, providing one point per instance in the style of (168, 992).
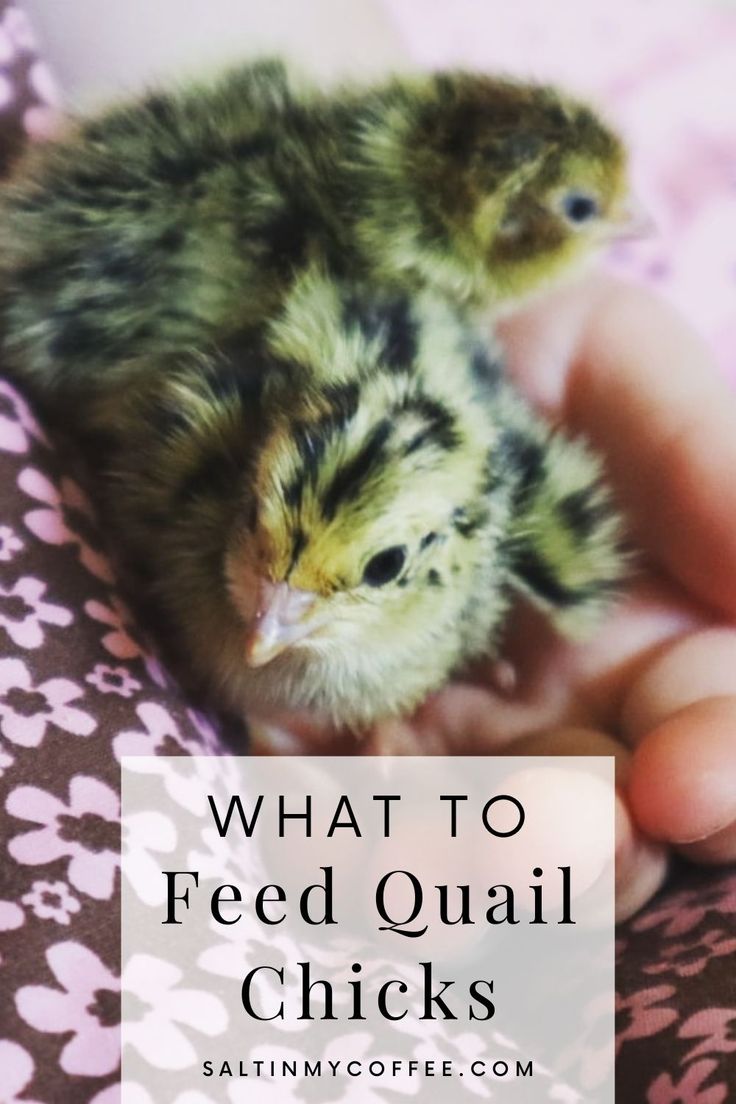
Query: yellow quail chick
(334, 510)
(250, 303)
(184, 216)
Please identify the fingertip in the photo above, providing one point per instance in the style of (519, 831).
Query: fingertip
(699, 666)
(682, 784)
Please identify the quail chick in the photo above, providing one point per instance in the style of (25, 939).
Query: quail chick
(334, 510)
(185, 216)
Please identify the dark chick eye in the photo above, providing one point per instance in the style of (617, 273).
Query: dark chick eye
(384, 566)
(579, 207)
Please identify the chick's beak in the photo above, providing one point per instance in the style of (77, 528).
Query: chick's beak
(634, 221)
(281, 619)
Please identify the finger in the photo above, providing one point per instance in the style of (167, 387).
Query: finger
(566, 819)
(643, 387)
(702, 665)
(682, 786)
(641, 863)
(556, 682)
(459, 724)
(460, 720)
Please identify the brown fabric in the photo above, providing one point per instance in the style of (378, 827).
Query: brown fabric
(676, 1002)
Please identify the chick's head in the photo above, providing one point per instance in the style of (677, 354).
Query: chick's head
(373, 523)
(530, 181)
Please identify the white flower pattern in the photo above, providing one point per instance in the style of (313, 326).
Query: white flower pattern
(52, 901)
(26, 710)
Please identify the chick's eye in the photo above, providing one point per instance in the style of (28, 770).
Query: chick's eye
(384, 566)
(578, 207)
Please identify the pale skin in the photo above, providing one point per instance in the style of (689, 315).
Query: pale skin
(656, 686)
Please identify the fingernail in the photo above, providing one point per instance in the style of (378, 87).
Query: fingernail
(720, 827)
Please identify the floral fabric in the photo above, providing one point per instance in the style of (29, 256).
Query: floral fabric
(79, 689)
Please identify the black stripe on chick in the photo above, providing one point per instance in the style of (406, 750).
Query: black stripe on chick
(352, 477)
(294, 491)
(540, 577)
(312, 438)
(285, 235)
(391, 323)
(525, 457)
(311, 442)
(439, 428)
(583, 510)
(344, 397)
